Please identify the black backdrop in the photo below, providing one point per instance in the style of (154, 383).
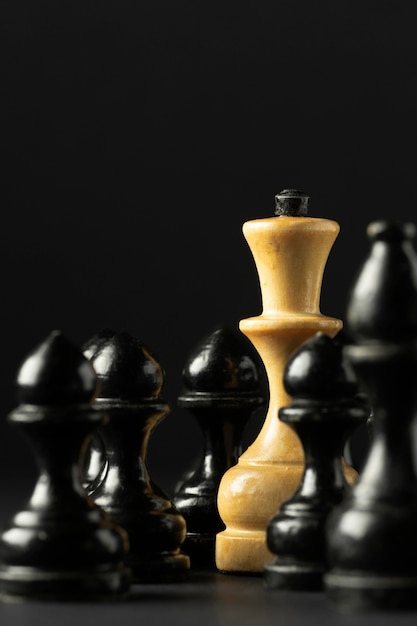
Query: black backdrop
(137, 136)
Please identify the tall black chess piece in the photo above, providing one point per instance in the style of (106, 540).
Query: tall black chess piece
(372, 547)
(61, 546)
(131, 381)
(222, 389)
(324, 411)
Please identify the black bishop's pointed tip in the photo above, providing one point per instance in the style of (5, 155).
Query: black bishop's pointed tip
(55, 373)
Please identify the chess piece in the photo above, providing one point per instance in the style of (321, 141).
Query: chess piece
(61, 546)
(95, 460)
(371, 536)
(222, 390)
(290, 251)
(91, 346)
(325, 409)
(131, 381)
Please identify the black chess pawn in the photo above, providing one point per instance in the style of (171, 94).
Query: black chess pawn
(222, 389)
(95, 462)
(371, 536)
(62, 546)
(324, 411)
(131, 381)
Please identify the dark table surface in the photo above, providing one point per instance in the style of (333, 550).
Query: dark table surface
(204, 599)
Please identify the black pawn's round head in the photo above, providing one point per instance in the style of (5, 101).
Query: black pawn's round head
(318, 371)
(222, 362)
(92, 345)
(126, 369)
(56, 373)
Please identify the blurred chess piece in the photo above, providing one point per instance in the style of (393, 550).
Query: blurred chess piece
(61, 546)
(290, 251)
(371, 537)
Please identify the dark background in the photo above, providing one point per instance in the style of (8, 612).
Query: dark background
(138, 136)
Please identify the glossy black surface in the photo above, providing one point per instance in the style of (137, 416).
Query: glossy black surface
(372, 544)
(222, 389)
(61, 546)
(131, 381)
(55, 373)
(94, 458)
(324, 411)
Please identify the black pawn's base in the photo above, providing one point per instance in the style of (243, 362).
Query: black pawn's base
(26, 584)
(293, 576)
(200, 547)
(348, 593)
(160, 569)
(155, 535)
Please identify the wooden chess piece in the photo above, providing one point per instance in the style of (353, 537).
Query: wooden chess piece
(371, 536)
(290, 250)
(61, 546)
(325, 409)
(222, 389)
(131, 381)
